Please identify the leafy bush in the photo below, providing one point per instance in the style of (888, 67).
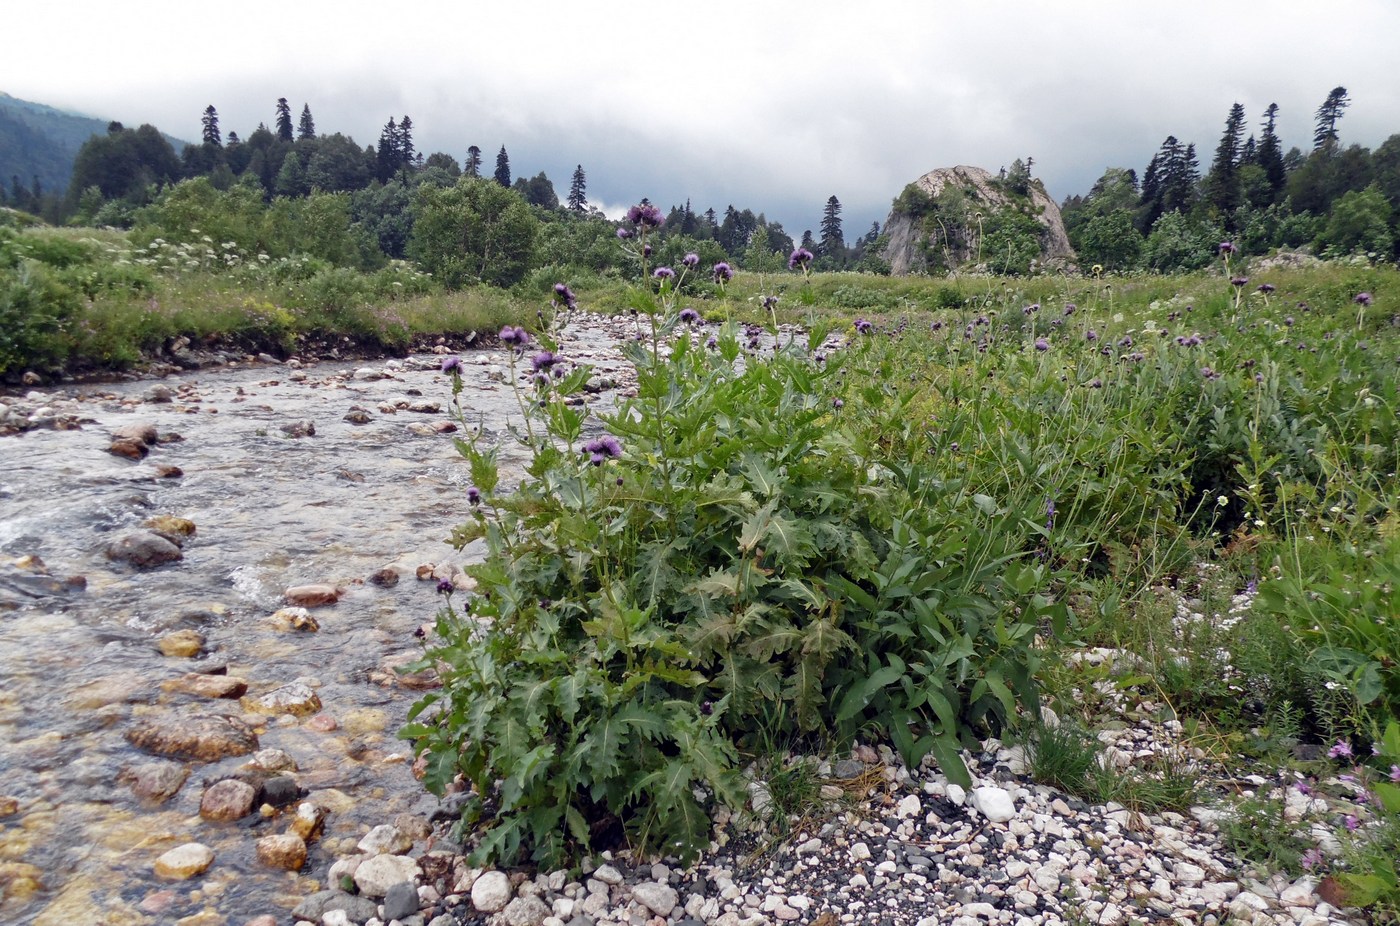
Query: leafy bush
(36, 313)
(736, 561)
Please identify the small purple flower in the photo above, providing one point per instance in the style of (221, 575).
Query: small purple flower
(1227, 247)
(1266, 288)
(624, 233)
(565, 295)
(646, 250)
(1069, 308)
(602, 448)
(769, 302)
(689, 316)
(452, 365)
(1352, 823)
(723, 272)
(1305, 788)
(1311, 859)
(707, 708)
(711, 342)
(1096, 383)
(800, 257)
(473, 496)
(514, 336)
(691, 260)
(1395, 773)
(1091, 335)
(837, 403)
(664, 273)
(445, 587)
(863, 326)
(1031, 309)
(1126, 341)
(1238, 282)
(935, 326)
(1041, 344)
(1340, 751)
(543, 361)
(645, 214)
(1288, 320)
(1362, 299)
(1209, 373)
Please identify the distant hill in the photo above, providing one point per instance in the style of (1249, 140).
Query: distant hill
(40, 141)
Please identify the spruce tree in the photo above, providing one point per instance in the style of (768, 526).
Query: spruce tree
(211, 127)
(473, 166)
(1223, 184)
(503, 168)
(1327, 116)
(386, 156)
(405, 143)
(833, 242)
(284, 119)
(307, 127)
(578, 201)
(1270, 153)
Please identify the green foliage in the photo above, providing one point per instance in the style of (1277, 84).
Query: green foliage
(755, 566)
(36, 313)
(1010, 241)
(1258, 830)
(1111, 241)
(474, 231)
(1180, 243)
(1359, 222)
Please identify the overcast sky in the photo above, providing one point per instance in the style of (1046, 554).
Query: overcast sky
(768, 106)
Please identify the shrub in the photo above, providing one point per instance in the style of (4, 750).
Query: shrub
(734, 561)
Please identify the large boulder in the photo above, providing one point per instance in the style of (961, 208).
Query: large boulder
(915, 228)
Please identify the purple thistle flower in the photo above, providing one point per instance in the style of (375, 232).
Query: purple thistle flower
(1342, 750)
(863, 326)
(1096, 383)
(1041, 344)
(1069, 308)
(1362, 299)
(1288, 320)
(624, 233)
(769, 302)
(452, 365)
(664, 273)
(689, 316)
(1031, 309)
(1126, 341)
(645, 214)
(800, 257)
(936, 326)
(711, 342)
(1091, 335)
(445, 587)
(474, 496)
(602, 448)
(646, 250)
(691, 260)
(1209, 373)
(515, 336)
(543, 361)
(1227, 247)
(837, 403)
(1266, 288)
(566, 295)
(723, 272)
(1237, 282)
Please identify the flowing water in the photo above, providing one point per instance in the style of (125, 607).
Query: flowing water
(79, 667)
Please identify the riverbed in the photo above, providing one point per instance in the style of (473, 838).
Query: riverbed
(363, 505)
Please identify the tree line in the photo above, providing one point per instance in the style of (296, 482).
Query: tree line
(1336, 199)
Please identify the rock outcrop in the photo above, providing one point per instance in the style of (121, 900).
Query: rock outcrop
(982, 193)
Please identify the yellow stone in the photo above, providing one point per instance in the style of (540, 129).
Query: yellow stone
(364, 720)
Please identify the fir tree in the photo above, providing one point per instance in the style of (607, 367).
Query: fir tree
(284, 119)
(307, 127)
(1328, 114)
(833, 242)
(1223, 184)
(473, 166)
(1270, 153)
(387, 154)
(211, 127)
(407, 156)
(578, 201)
(503, 168)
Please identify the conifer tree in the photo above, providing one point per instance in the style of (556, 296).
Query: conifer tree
(503, 168)
(1223, 183)
(387, 154)
(307, 127)
(1270, 152)
(578, 201)
(473, 166)
(833, 242)
(284, 119)
(211, 127)
(407, 156)
(1327, 116)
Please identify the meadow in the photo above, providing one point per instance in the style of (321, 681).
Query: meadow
(847, 507)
